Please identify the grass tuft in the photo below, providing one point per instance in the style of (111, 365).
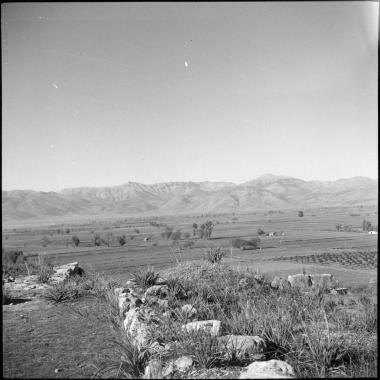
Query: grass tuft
(146, 277)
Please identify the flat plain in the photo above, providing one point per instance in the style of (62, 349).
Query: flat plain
(310, 242)
(40, 338)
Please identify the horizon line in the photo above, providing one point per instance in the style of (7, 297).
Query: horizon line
(196, 182)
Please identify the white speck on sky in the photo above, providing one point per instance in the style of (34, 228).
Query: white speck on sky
(55, 85)
(186, 64)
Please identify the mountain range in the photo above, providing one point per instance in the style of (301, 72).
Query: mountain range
(263, 193)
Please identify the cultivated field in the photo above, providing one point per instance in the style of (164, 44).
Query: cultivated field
(310, 242)
(52, 340)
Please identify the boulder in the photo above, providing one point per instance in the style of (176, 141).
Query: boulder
(137, 323)
(118, 291)
(325, 280)
(161, 281)
(183, 363)
(128, 301)
(168, 370)
(189, 310)
(210, 326)
(153, 370)
(63, 272)
(271, 369)
(163, 304)
(160, 291)
(341, 290)
(300, 280)
(280, 283)
(242, 345)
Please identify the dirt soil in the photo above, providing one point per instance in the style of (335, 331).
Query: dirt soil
(39, 338)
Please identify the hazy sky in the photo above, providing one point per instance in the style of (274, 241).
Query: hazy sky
(99, 94)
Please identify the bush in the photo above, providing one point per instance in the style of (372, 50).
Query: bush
(137, 230)
(254, 242)
(75, 240)
(176, 235)
(146, 277)
(88, 285)
(167, 233)
(260, 232)
(238, 243)
(62, 292)
(215, 255)
(366, 225)
(300, 214)
(98, 241)
(12, 256)
(122, 240)
(45, 270)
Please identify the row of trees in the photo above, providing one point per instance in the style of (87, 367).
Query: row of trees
(98, 240)
(367, 226)
(204, 231)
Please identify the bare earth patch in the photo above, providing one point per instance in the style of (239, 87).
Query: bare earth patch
(39, 337)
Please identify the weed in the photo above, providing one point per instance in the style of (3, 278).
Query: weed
(63, 291)
(146, 277)
(215, 255)
(202, 347)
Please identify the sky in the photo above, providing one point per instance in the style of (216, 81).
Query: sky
(99, 94)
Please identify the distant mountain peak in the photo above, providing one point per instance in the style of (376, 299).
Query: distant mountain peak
(268, 191)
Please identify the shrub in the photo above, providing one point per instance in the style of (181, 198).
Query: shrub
(167, 233)
(63, 291)
(215, 255)
(300, 214)
(89, 284)
(253, 243)
(122, 240)
(260, 232)
(237, 243)
(98, 241)
(188, 244)
(45, 269)
(146, 277)
(366, 225)
(202, 347)
(176, 235)
(195, 228)
(12, 256)
(75, 240)
(137, 230)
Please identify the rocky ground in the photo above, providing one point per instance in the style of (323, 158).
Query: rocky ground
(45, 339)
